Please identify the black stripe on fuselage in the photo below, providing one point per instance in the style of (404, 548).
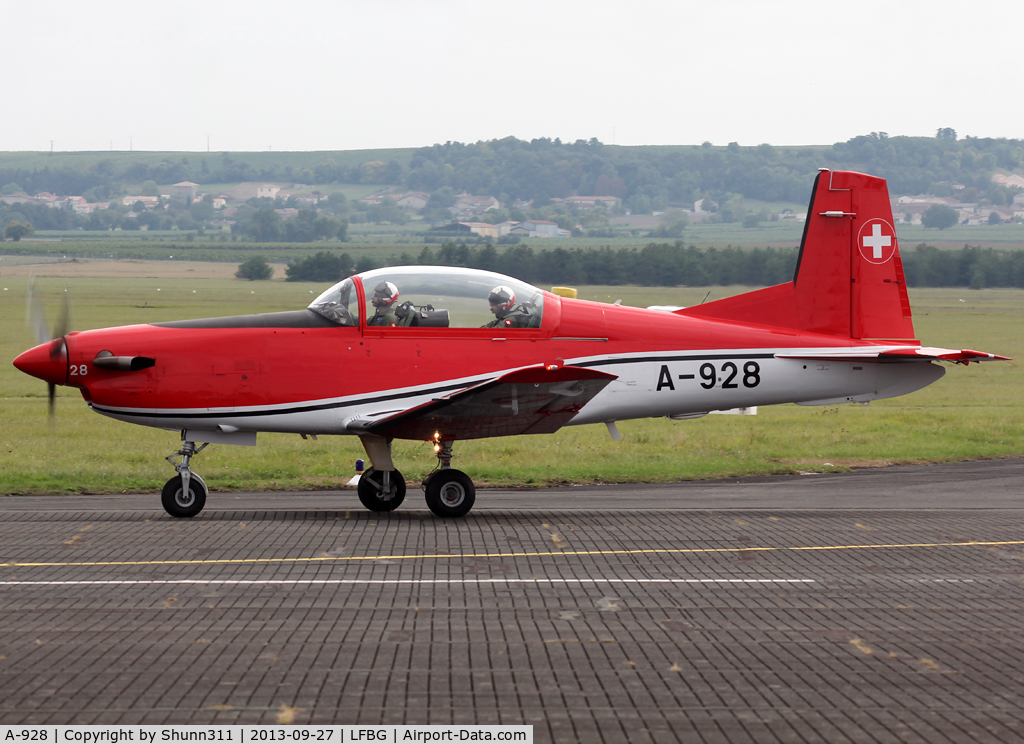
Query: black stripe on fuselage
(287, 319)
(285, 411)
(686, 358)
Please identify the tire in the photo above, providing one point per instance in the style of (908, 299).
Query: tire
(450, 493)
(372, 496)
(180, 506)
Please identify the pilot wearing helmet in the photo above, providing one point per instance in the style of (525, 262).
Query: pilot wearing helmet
(506, 313)
(384, 297)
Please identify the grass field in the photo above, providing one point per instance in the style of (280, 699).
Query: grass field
(972, 413)
(217, 245)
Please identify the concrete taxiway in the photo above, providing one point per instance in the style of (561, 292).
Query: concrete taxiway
(883, 605)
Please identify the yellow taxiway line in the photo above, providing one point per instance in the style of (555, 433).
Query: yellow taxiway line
(433, 556)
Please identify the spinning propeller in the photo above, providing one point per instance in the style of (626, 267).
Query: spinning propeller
(49, 360)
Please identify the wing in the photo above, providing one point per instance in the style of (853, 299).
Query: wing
(909, 354)
(536, 400)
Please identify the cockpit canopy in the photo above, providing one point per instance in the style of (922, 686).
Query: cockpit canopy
(436, 295)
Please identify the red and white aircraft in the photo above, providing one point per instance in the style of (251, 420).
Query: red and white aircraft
(840, 331)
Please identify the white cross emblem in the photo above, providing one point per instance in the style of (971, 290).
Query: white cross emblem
(877, 241)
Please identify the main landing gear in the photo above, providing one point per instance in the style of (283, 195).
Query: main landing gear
(381, 490)
(449, 493)
(184, 495)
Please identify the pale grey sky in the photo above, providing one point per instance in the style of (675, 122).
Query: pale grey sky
(342, 75)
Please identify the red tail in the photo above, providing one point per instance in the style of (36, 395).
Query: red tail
(849, 277)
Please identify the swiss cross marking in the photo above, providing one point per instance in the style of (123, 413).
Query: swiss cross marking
(877, 241)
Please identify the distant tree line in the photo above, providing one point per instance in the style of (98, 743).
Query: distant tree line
(644, 178)
(971, 266)
(669, 265)
(266, 226)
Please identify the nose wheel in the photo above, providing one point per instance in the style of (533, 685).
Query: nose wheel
(183, 501)
(184, 495)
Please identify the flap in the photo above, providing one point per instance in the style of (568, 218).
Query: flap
(535, 400)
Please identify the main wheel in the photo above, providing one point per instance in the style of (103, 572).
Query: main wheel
(372, 494)
(450, 493)
(182, 505)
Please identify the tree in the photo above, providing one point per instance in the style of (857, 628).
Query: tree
(321, 267)
(201, 211)
(17, 230)
(299, 229)
(325, 228)
(256, 268)
(994, 218)
(940, 216)
(265, 226)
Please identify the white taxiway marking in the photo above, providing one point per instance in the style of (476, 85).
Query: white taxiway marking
(403, 581)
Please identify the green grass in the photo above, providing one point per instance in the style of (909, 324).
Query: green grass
(972, 413)
(410, 237)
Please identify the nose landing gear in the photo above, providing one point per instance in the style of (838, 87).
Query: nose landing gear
(184, 495)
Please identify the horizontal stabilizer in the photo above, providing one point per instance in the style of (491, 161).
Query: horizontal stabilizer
(536, 400)
(909, 354)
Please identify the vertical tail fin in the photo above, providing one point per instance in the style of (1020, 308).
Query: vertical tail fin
(849, 277)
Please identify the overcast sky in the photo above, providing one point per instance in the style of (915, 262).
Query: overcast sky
(342, 75)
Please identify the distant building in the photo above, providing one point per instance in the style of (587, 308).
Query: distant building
(539, 229)
(81, 206)
(186, 189)
(589, 202)
(150, 202)
(412, 200)
(467, 205)
(308, 200)
(267, 190)
(484, 229)
(1011, 180)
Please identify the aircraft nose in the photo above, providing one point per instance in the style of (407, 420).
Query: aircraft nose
(48, 362)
